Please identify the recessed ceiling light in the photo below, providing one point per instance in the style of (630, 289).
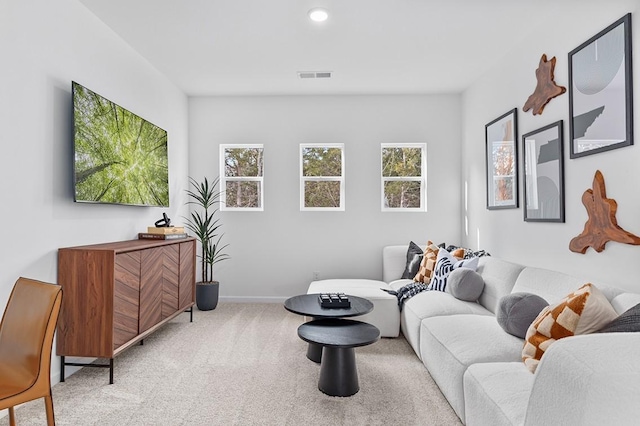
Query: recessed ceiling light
(318, 14)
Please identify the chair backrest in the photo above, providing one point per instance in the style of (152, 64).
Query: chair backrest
(28, 325)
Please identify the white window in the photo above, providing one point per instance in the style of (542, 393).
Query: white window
(404, 177)
(242, 177)
(322, 177)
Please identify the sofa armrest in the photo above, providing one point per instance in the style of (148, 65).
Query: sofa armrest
(394, 259)
(588, 380)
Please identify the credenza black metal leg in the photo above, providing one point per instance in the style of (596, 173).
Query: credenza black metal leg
(314, 352)
(338, 374)
(78, 364)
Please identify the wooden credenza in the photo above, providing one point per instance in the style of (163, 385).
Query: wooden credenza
(115, 294)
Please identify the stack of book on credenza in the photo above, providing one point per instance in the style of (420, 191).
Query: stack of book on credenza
(163, 233)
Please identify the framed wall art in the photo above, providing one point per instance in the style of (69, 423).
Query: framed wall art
(600, 91)
(543, 174)
(502, 162)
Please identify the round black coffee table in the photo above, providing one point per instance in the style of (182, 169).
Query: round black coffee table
(338, 337)
(308, 305)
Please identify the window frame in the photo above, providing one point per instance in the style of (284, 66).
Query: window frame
(224, 179)
(304, 179)
(421, 179)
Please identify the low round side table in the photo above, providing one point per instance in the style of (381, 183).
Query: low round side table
(338, 337)
(308, 305)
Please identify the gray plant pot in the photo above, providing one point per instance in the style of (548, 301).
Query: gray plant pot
(207, 295)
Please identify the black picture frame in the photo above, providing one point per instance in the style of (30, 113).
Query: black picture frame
(543, 165)
(501, 155)
(601, 91)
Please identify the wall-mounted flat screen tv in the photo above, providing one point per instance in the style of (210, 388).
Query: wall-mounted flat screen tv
(120, 158)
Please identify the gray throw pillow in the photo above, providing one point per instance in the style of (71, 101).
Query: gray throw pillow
(628, 321)
(517, 311)
(414, 257)
(465, 284)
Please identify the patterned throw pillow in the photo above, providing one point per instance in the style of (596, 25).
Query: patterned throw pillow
(584, 311)
(428, 263)
(446, 263)
(468, 253)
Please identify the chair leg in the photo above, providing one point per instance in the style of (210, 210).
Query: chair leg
(48, 402)
(12, 417)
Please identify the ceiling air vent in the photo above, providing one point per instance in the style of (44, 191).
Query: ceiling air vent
(314, 74)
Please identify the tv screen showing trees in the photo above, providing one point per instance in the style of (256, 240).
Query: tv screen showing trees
(120, 158)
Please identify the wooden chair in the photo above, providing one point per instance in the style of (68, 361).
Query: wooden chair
(26, 337)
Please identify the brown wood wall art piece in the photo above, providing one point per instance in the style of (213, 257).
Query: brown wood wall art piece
(602, 226)
(546, 89)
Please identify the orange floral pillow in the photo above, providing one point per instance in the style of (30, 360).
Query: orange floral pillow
(584, 311)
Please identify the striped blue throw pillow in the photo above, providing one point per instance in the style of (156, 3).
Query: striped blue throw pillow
(446, 263)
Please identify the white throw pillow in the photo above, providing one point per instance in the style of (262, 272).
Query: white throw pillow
(444, 265)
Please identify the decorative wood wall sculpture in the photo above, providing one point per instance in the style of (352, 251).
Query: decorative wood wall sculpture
(602, 226)
(546, 89)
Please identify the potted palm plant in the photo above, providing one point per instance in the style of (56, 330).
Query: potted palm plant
(205, 226)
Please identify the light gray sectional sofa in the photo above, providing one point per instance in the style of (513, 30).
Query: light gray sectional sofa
(591, 379)
(582, 380)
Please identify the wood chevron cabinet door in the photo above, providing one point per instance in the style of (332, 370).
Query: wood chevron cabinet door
(115, 294)
(126, 297)
(186, 291)
(170, 279)
(151, 273)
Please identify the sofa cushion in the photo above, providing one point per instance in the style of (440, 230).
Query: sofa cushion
(414, 258)
(499, 278)
(583, 311)
(444, 265)
(622, 302)
(627, 322)
(465, 284)
(450, 344)
(394, 259)
(496, 393)
(432, 304)
(516, 312)
(552, 286)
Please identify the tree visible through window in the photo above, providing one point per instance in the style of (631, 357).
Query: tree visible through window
(242, 179)
(404, 177)
(322, 177)
(503, 156)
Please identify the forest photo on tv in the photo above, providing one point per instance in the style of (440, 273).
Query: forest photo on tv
(120, 158)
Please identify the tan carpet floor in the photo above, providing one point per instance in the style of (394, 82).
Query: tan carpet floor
(242, 364)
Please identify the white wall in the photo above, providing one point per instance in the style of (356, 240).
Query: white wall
(275, 252)
(46, 44)
(508, 85)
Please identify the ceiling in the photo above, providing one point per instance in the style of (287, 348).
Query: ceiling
(256, 47)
